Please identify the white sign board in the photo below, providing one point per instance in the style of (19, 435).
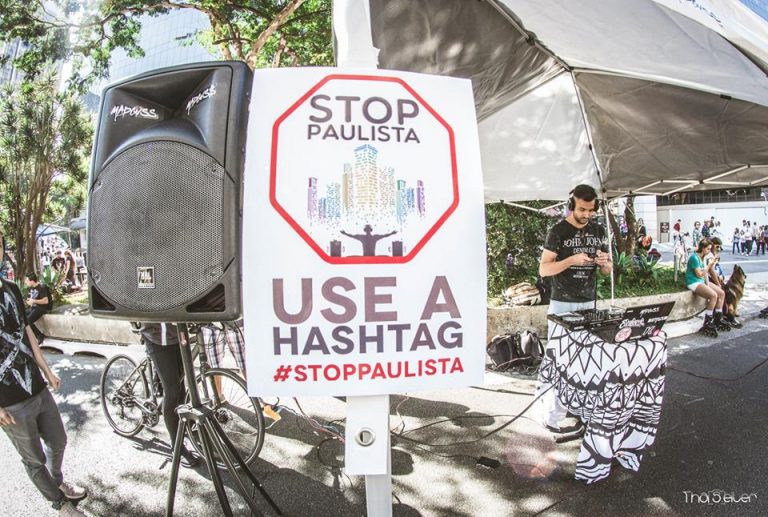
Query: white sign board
(364, 266)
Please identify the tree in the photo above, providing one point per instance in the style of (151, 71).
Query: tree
(627, 243)
(45, 138)
(260, 32)
(519, 232)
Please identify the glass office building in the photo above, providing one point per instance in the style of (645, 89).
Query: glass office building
(167, 40)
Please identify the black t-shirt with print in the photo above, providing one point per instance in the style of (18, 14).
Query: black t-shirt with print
(577, 283)
(39, 292)
(20, 377)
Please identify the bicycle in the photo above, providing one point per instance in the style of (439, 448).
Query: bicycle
(130, 399)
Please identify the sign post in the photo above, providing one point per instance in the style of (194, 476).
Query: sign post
(367, 417)
(364, 268)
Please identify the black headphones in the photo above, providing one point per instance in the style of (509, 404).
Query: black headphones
(585, 191)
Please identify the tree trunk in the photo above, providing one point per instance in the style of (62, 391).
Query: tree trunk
(626, 244)
(616, 232)
(630, 241)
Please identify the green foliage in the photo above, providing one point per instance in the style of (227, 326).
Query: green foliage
(75, 298)
(518, 231)
(45, 141)
(260, 32)
(646, 271)
(622, 266)
(664, 282)
(52, 279)
(522, 232)
(22, 287)
(67, 198)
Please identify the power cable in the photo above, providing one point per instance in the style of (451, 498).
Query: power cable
(758, 365)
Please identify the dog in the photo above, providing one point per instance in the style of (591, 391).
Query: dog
(734, 290)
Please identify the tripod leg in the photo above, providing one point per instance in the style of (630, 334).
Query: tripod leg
(225, 456)
(232, 453)
(206, 442)
(177, 445)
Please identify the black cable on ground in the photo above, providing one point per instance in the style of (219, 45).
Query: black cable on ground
(486, 435)
(705, 377)
(483, 437)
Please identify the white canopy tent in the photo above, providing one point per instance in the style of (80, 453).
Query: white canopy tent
(629, 95)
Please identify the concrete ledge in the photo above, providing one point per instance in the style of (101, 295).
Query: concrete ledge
(84, 327)
(511, 319)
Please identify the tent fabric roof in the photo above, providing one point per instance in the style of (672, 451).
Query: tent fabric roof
(642, 39)
(425, 36)
(620, 93)
(51, 229)
(659, 131)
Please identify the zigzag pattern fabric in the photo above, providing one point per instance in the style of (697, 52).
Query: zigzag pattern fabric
(616, 389)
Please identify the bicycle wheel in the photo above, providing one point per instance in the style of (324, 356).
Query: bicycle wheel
(239, 415)
(123, 386)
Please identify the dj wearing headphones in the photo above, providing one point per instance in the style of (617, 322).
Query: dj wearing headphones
(573, 251)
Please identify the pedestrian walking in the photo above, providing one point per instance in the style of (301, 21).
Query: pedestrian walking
(705, 231)
(747, 239)
(757, 236)
(736, 246)
(763, 239)
(696, 234)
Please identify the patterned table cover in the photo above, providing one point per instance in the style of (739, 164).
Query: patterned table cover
(616, 389)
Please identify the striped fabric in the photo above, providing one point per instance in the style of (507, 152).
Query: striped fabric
(615, 389)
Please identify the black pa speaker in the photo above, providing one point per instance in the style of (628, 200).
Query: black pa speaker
(165, 198)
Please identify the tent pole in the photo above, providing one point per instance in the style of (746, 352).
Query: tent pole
(599, 176)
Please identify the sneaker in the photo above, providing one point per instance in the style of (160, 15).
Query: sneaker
(189, 460)
(72, 492)
(70, 510)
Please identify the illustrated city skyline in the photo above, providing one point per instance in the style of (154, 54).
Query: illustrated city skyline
(366, 194)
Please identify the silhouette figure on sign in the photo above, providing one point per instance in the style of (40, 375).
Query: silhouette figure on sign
(368, 240)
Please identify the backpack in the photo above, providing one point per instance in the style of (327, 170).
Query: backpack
(520, 349)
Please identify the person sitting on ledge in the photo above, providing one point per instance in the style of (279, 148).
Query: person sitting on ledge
(697, 280)
(39, 301)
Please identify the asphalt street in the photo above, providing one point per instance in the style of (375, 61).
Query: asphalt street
(711, 441)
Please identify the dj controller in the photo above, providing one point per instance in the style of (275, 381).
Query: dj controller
(616, 324)
(589, 319)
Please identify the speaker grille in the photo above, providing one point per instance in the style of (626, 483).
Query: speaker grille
(157, 205)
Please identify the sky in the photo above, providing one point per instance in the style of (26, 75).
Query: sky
(758, 6)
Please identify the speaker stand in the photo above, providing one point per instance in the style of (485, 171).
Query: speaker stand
(212, 438)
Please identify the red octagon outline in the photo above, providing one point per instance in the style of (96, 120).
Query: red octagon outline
(303, 234)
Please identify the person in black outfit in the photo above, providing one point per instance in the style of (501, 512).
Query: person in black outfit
(161, 341)
(28, 413)
(40, 301)
(575, 250)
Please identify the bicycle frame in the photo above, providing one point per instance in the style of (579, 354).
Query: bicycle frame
(208, 390)
(130, 382)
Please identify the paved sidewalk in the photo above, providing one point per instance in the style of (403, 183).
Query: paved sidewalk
(711, 438)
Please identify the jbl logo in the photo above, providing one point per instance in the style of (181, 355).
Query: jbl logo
(146, 277)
